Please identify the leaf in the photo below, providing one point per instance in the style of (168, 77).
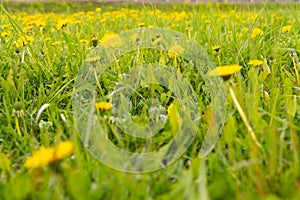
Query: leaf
(20, 186)
(174, 117)
(290, 99)
(162, 60)
(4, 163)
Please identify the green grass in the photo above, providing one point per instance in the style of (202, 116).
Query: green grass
(235, 169)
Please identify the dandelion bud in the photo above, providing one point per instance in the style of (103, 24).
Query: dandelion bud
(94, 41)
(292, 54)
(18, 106)
(18, 110)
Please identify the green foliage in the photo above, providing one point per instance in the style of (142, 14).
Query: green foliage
(44, 72)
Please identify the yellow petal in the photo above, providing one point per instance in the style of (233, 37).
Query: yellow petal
(224, 70)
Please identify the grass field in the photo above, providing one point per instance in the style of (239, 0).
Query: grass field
(43, 46)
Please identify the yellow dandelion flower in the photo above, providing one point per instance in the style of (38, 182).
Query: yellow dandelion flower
(62, 150)
(75, 22)
(47, 39)
(40, 158)
(134, 37)
(83, 41)
(216, 48)
(111, 40)
(256, 32)
(224, 16)
(175, 51)
(90, 13)
(56, 43)
(28, 28)
(245, 29)
(62, 24)
(141, 24)
(224, 70)
(45, 156)
(24, 41)
(255, 63)
(103, 106)
(40, 23)
(207, 21)
(29, 39)
(98, 10)
(4, 26)
(157, 41)
(285, 29)
(4, 34)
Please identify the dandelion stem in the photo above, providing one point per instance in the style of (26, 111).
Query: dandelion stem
(244, 117)
(98, 84)
(296, 69)
(219, 59)
(23, 56)
(118, 66)
(18, 126)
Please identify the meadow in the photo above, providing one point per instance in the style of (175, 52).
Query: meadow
(44, 45)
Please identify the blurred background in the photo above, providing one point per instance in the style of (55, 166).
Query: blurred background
(160, 1)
